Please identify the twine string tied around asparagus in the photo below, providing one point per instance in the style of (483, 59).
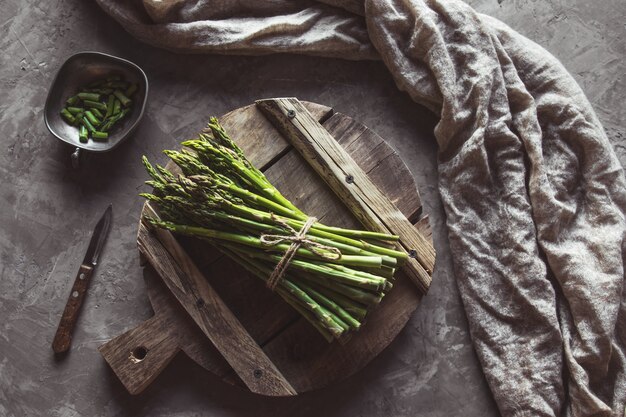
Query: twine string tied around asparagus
(297, 239)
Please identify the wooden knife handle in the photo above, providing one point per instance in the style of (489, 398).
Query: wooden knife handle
(63, 336)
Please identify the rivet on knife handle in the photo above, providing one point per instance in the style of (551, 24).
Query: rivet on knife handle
(63, 336)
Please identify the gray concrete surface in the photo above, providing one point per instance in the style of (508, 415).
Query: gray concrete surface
(47, 211)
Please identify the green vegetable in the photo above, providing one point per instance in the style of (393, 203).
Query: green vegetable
(89, 96)
(98, 106)
(122, 98)
(86, 123)
(92, 118)
(97, 113)
(99, 135)
(95, 105)
(83, 134)
(116, 107)
(114, 119)
(68, 116)
(223, 198)
(110, 103)
(72, 100)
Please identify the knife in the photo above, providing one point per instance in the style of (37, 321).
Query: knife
(63, 336)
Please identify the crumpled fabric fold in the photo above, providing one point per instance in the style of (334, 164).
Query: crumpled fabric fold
(533, 192)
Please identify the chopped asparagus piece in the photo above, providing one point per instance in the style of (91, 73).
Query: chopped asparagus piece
(92, 118)
(83, 134)
(68, 116)
(89, 96)
(110, 104)
(99, 135)
(88, 124)
(122, 98)
(96, 104)
(97, 113)
(116, 107)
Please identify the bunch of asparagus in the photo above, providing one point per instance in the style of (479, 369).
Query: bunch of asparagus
(336, 275)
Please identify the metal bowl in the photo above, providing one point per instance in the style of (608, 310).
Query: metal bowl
(79, 70)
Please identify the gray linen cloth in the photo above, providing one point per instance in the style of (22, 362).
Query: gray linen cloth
(533, 192)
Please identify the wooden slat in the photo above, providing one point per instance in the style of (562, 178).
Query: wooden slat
(138, 356)
(262, 143)
(364, 199)
(210, 313)
(381, 163)
(159, 339)
(423, 225)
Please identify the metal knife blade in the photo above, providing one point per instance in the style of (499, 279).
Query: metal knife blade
(63, 336)
(98, 237)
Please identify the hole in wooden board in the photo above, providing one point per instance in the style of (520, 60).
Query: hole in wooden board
(138, 354)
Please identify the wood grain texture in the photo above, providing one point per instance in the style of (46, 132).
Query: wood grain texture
(160, 338)
(63, 336)
(289, 341)
(344, 176)
(381, 163)
(138, 356)
(209, 312)
(262, 145)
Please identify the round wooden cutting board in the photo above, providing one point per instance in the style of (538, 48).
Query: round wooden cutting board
(303, 356)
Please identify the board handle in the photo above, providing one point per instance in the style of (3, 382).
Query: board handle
(138, 356)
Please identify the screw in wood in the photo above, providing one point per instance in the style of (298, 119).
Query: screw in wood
(291, 114)
(349, 179)
(413, 253)
(199, 303)
(75, 294)
(258, 373)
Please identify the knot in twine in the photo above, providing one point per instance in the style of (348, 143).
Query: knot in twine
(297, 239)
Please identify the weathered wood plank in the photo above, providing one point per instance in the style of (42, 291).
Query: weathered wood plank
(209, 312)
(350, 182)
(138, 356)
(423, 225)
(381, 163)
(260, 141)
(158, 339)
